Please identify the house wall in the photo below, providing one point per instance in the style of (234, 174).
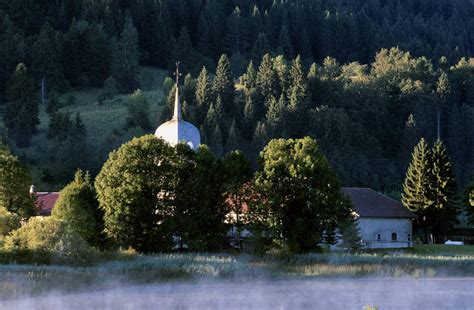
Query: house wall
(370, 228)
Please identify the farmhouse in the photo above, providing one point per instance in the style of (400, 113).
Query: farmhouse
(383, 222)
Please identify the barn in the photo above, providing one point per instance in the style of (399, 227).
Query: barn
(383, 222)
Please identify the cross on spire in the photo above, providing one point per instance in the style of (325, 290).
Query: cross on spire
(177, 74)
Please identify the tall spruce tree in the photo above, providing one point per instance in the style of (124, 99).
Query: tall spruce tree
(223, 84)
(444, 209)
(203, 95)
(231, 143)
(416, 194)
(126, 57)
(21, 115)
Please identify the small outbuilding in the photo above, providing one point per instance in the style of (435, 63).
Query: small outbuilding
(383, 222)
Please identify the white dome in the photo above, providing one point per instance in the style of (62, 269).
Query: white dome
(177, 130)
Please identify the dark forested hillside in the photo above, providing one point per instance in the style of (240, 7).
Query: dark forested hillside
(197, 32)
(365, 102)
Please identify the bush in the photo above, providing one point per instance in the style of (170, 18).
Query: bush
(8, 221)
(53, 238)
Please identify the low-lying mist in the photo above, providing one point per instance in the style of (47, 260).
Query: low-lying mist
(320, 293)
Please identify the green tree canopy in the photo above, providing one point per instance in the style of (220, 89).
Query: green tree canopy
(138, 111)
(77, 206)
(150, 191)
(15, 181)
(133, 191)
(302, 194)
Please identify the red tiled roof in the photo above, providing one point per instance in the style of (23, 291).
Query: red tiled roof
(369, 203)
(45, 201)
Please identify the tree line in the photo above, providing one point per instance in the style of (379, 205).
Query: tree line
(81, 43)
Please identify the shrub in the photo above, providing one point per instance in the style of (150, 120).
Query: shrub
(52, 237)
(8, 221)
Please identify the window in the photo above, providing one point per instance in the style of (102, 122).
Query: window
(378, 237)
(409, 237)
(394, 236)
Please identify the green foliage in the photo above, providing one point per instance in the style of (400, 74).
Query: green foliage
(430, 189)
(302, 194)
(8, 221)
(444, 189)
(138, 110)
(150, 191)
(223, 84)
(126, 58)
(52, 237)
(132, 190)
(77, 206)
(350, 235)
(416, 194)
(21, 115)
(15, 181)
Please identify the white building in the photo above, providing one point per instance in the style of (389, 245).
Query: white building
(178, 130)
(383, 222)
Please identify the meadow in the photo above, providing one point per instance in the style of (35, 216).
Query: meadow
(105, 124)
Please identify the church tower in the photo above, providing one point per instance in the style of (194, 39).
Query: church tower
(178, 130)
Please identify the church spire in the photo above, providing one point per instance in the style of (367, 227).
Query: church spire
(177, 104)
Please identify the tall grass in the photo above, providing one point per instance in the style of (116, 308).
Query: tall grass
(19, 280)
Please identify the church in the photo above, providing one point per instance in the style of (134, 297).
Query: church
(382, 221)
(177, 130)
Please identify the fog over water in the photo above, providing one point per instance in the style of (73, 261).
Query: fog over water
(391, 293)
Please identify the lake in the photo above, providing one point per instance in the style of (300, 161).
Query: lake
(321, 293)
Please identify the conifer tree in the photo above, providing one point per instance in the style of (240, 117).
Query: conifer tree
(46, 60)
(231, 143)
(249, 78)
(203, 95)
(217, 141)
(250, 117)
(416, 194)
(126, 56)
(276, 115)
(183, 50)
(211, 120)
(21, 115)
(443, 89)
(223, 84)
(285, 47)
(260, 137)
(444, 209)
(233, 33)
(267, 79)
(260, 48)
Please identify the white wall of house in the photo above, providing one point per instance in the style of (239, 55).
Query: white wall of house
(379, 233)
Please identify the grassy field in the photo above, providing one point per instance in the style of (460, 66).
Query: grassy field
(100, 120)
(421, 262)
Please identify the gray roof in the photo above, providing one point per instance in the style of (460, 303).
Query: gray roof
(369, 203)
